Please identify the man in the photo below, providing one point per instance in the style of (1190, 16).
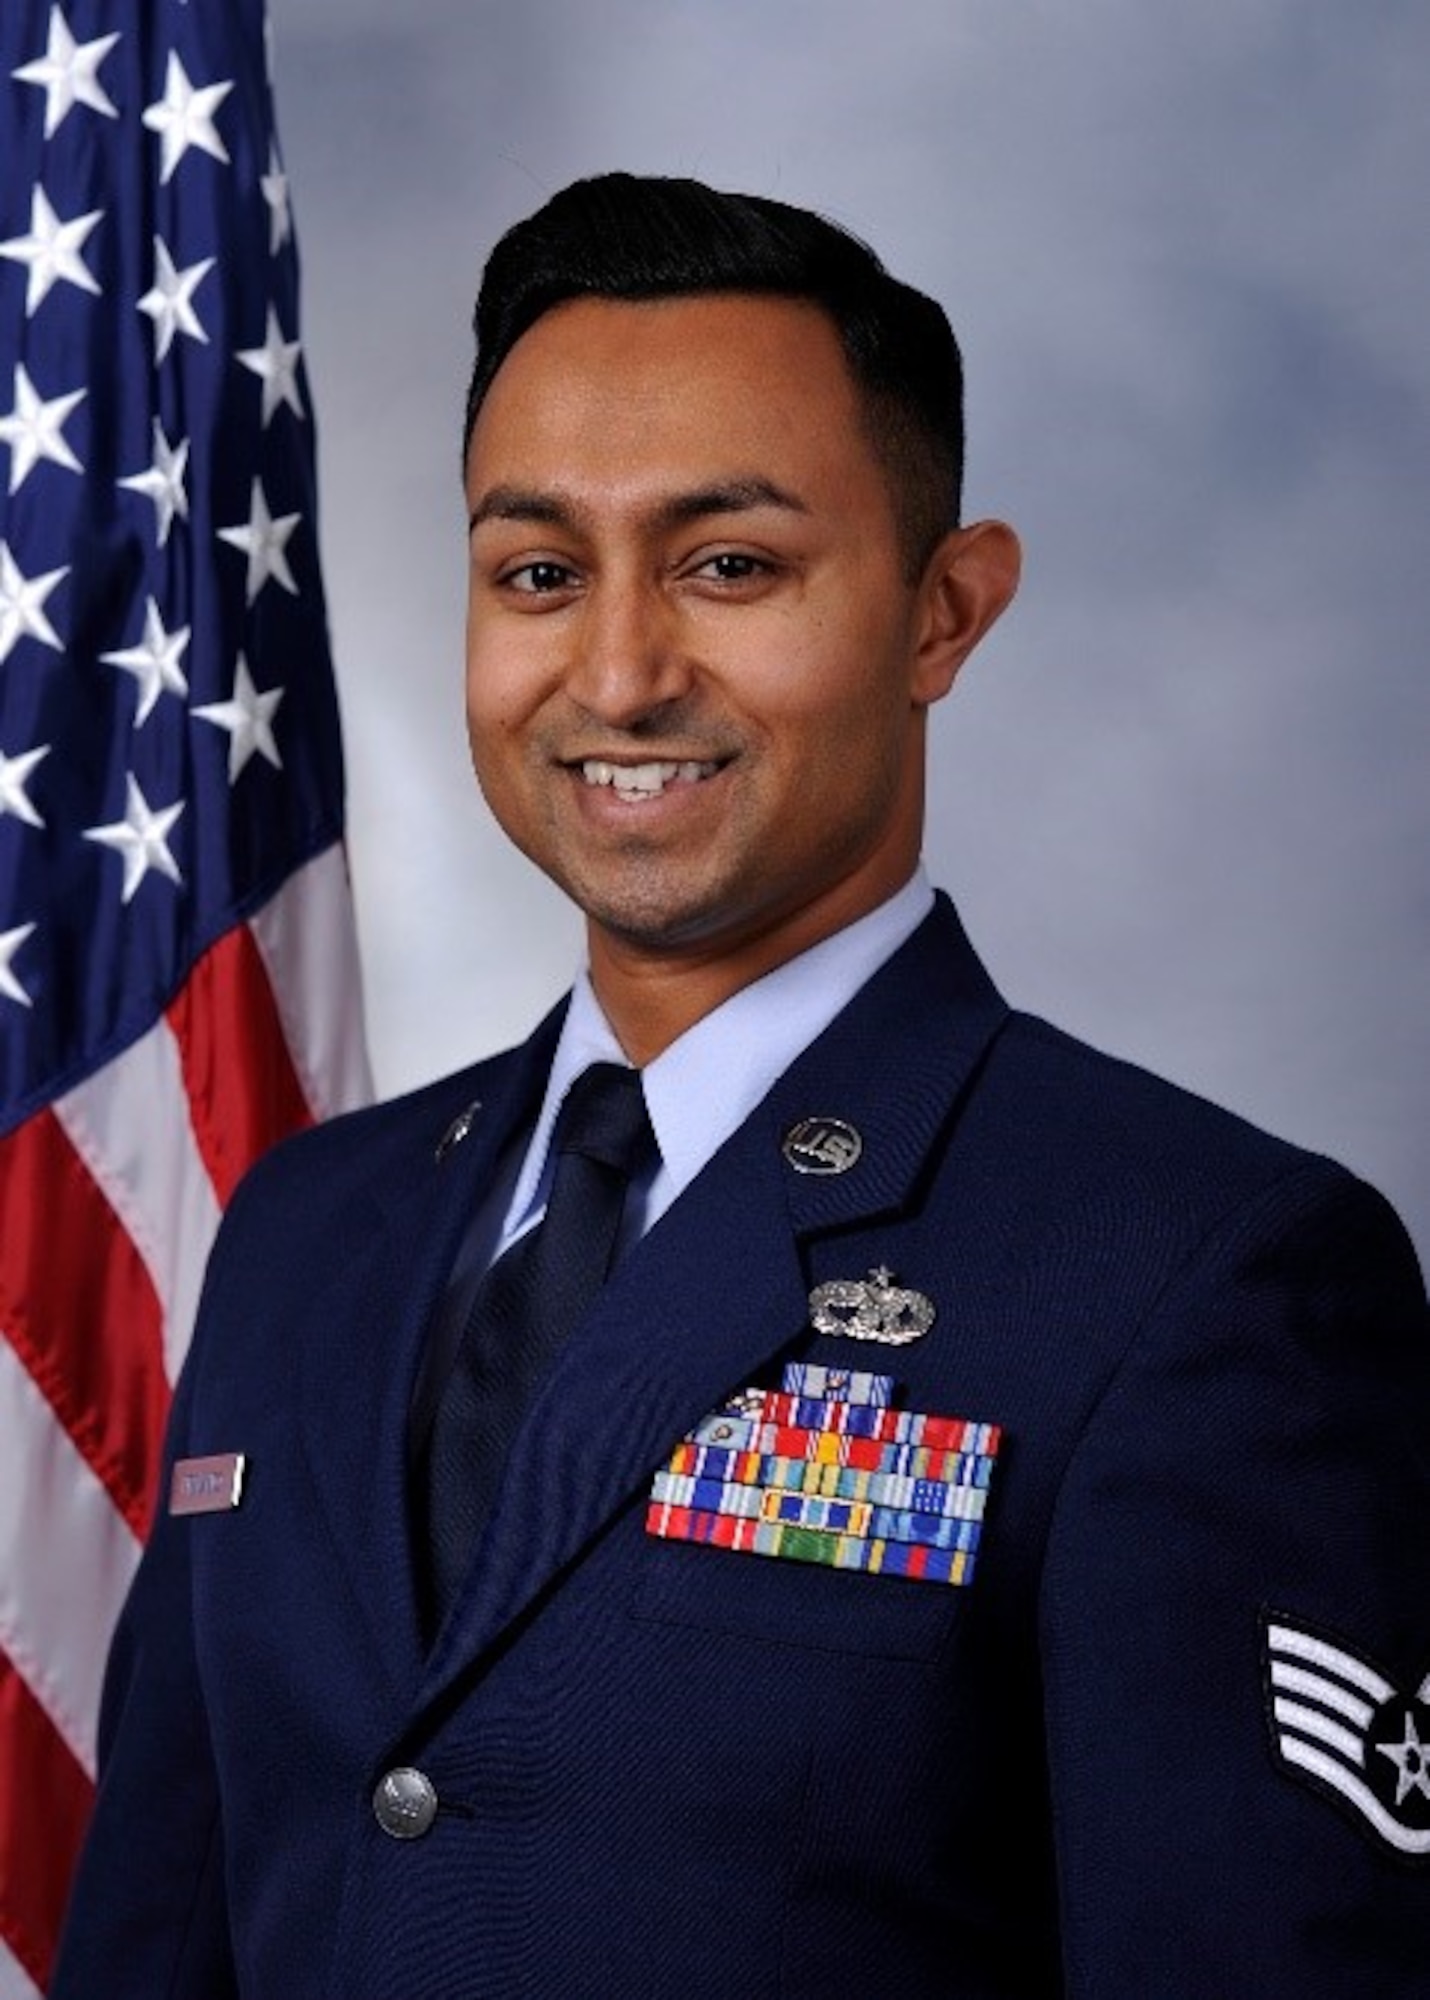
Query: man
(973, 1542)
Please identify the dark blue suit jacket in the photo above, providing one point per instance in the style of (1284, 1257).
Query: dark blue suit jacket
(667, 1769)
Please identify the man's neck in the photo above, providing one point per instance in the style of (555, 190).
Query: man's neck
(652, 995)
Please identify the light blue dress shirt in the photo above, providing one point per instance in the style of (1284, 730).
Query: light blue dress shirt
(700, 1089)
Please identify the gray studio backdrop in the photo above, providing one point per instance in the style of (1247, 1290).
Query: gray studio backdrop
(1180, 795)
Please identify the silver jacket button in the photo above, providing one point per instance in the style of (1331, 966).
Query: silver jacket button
(405, 1803)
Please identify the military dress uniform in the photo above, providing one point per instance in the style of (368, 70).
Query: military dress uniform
(973, 1546)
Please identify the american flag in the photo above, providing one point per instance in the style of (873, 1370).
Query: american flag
(178, 969)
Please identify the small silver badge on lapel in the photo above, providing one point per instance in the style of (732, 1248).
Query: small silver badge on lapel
(822, 1146)
(457, 1131)
(872, 1308)
(207, 1485)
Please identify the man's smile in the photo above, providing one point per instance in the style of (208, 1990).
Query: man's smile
(645, 780)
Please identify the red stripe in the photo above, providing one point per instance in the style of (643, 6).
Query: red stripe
(48, 1799)
(243, 1090)
(81, 1311)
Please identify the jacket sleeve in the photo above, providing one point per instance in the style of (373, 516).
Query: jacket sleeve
(147, 1914)
(1235, 1622)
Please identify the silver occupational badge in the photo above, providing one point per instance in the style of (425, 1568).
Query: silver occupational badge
(872, 1308)
(822, 1146)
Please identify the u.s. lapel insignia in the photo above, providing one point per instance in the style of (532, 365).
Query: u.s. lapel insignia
(825, 1470)
(822, 1146)
(872, 1308)
(1337, 1722)
(457, 1131)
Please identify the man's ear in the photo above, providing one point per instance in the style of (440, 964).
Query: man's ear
(969, 580)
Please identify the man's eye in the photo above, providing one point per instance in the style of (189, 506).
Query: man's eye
(730, 566)
(536, 578)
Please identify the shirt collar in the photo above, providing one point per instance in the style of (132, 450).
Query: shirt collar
(704, 1086)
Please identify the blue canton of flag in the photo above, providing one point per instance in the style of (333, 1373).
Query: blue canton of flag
(169, 742)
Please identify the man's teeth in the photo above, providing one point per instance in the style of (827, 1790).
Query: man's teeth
(642, 781)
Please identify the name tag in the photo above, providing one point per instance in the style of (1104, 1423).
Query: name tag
(207, 1485)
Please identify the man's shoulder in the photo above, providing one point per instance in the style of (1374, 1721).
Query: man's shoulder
(1038, 1091)
(1103, 1131)
(1110, 1094)
(1064, 1150)
(383, 1145)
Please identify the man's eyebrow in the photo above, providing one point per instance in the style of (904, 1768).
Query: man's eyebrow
(724, 496)
(727, 496)
(515, 503)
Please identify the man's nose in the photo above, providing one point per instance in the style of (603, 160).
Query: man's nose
(628, 656)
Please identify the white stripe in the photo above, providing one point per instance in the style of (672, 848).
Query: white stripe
(1293, 1715)
(1408, 1840)
(1331, 1659)
(307, 938)
(130, 1124)
(1298, 1680)
(66, 1560)
(15, 1983)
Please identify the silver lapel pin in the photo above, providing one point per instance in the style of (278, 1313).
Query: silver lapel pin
(822, 1146)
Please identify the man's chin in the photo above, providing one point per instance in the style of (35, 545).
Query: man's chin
(655, 913)
(657, 930)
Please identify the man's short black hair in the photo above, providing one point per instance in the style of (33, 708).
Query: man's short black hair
(634, 237)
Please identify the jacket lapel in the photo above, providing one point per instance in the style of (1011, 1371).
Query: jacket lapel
(369, 1328)
(707, 1300)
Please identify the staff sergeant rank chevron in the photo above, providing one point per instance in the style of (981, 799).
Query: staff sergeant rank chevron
(825, 1470)
(1338, 1722)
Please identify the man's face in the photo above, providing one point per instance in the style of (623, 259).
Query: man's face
(696, 672)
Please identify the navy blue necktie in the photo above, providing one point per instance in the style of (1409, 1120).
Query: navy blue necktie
(523, 1310)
